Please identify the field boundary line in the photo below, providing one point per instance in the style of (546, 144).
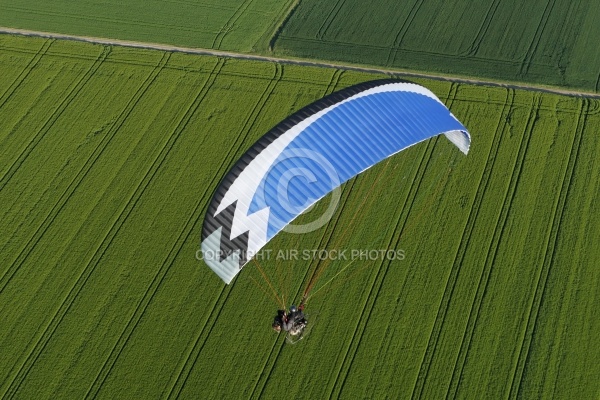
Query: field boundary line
(89, 268)
(461, 251)
(156, 281)
(549, 253)
(492, 253)
(306, 62)
(280, 25)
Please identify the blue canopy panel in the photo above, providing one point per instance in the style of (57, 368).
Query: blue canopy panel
(310, 154)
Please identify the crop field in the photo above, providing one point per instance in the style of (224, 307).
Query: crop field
(109, 156)
(236, 25)
(541, 41)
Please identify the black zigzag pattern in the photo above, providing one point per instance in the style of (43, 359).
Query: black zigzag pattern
(224, 220)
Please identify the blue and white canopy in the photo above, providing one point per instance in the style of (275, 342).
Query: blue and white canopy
(310, 154)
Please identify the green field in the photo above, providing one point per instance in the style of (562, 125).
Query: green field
(109, 156)
(238, 25)
(541, 41)
(545, 42)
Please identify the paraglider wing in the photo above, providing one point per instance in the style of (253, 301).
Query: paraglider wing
(311, 153)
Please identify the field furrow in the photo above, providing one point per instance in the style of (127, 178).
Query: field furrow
(496, 39)
(37, 97)
(566, 320)
(88, 269)
(156, 281)
(548, 257)
(9, 270)
(335, 79)
(77, 87)
(140, 308)
(537, 37)
(110, 156)
(402, 33)
(235, 148)
(25, 72)
(452, 288)
(171, 191)
(198, 344)
(329, 19)
(466, 237)
(230, 24)
(57, 207)
(492, 253)
(379, 273)
(120, 170)
(483, 29)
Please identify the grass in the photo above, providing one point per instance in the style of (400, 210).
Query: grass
(236, 25)
(109, 156)
(545, 41)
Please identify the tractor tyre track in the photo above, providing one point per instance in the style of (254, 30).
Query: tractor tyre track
(370, 299)
(461, 252)
(537, 37)
(549, 253)
(225, 29)
(329, 19)
(90, 266)
(457, 374)
(77, 87)
(200, 340)
(481, 32)
(173, 252)
(25, 71)
(9, 272)
(393, 52)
